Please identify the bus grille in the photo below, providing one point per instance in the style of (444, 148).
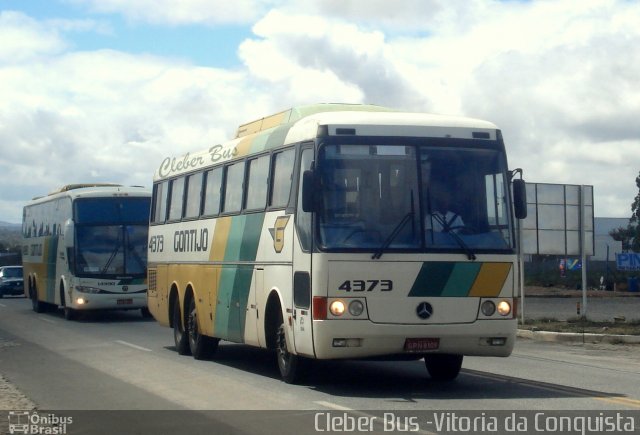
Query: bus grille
(152, 279)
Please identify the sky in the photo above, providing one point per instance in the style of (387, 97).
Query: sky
(104, 90)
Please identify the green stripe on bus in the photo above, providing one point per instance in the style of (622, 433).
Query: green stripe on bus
(244, 276)
(235, 281)
(277, 136)
(462, 278)
(432, 279)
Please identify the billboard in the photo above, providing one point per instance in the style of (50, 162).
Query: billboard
(628, 261)
(554, 219)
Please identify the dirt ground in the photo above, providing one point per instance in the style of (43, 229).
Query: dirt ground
(620, 327)
(558, 292)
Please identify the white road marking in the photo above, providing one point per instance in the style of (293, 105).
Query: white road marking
(134, 346)
(333, 406)
(3, 306)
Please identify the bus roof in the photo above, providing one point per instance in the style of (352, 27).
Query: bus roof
(74, 191)
(296, 113)
(301, 123)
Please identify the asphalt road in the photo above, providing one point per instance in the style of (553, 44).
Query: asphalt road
(119, 361)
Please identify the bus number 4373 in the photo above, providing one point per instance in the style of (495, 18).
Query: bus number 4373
(369, 285)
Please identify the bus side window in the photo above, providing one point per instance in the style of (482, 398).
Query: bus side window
(177, 201)
(233, 187)
(194, 195)
(303, 219)
(256, 185)
(160, 192)
(282, 177)
(212, 192)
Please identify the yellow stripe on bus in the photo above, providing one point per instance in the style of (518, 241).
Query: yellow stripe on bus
(490, 280)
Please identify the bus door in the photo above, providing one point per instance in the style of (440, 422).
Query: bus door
(301, 310)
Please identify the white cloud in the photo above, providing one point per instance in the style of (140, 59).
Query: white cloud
(22, 38)
(107, 116)
(181, 12)
(337, 58)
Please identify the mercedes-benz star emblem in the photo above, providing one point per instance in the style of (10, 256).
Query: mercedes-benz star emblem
(424, 310)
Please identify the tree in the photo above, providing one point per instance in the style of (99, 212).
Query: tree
(630, 236)
(624, 235)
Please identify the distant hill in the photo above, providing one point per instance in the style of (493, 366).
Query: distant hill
(10, 236)
(9, 225)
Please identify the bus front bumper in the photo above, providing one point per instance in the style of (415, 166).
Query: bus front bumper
(88, 301)
(335, 339)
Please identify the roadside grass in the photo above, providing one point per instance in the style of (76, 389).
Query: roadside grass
(581, 325)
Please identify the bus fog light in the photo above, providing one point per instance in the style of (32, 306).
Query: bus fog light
(504, 308)
(347, 342)
(337, 308)
(81, 301)
(488, 308)
(497, 341)
(356, 308)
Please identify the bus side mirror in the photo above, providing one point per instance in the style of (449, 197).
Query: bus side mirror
(520, 198)
(308, 191)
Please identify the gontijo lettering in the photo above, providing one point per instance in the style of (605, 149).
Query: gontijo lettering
(191, 240)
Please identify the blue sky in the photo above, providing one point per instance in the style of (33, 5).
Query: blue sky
(104, 90)
(199, 43)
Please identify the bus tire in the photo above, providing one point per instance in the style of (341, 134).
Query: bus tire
(36, 305)
(443, 367)
(69, 313)
(180, 338)
(288, 363)
(146, 314)
(200, 346)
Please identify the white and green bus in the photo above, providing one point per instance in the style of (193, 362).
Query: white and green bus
(85, 248)
(316, 233)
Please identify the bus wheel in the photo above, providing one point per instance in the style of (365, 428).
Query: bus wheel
(443, 367)
(201, 346)
(69, 313)
(288, 363)
(179, 336)
(36, 305)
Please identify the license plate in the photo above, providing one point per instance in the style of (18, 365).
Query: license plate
(125, 301)
(421, 344)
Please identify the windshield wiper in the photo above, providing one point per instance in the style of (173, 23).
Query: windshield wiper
(467, 250)
(113, 254)
(376, 255)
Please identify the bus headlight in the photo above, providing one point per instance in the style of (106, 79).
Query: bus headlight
(504, 308)
(337, 308)
(356, 308)
(488, 308)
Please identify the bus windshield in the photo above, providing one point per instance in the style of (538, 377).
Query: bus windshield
(111, 239)
(440, 197)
